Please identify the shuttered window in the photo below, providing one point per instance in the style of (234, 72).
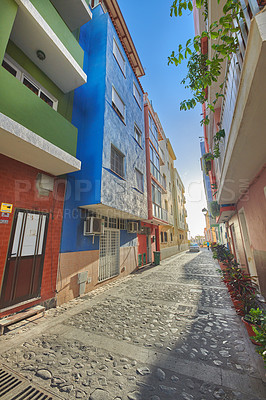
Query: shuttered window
(119, 57)
(118, 104)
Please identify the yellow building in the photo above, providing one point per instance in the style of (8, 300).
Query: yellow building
(173, 235)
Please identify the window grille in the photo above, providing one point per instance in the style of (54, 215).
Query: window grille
(113, 223)
(109, 260)
(117, 162)
(123, 224)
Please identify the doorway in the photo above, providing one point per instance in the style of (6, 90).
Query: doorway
(109, 259)
(148, 242)
(247, 247)
(24, 265)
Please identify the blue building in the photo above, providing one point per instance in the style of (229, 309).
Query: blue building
(107, 198)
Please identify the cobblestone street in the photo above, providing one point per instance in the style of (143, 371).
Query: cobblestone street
(167, 332)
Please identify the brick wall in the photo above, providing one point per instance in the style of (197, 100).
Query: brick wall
(18, 187)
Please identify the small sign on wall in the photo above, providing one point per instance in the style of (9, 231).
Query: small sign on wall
(4, 217)
(6, 208)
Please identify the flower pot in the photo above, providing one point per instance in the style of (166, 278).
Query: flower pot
(238, 306)
(250, 330)
(222, 266)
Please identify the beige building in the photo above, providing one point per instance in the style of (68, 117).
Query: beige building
(173, 236)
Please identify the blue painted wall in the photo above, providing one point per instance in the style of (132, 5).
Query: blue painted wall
(99, 126)
(116, 192)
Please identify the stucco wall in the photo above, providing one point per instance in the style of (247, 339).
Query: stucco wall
(115, 191)
(254, 205)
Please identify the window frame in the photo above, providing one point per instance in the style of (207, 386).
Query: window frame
(123, 68)
(22, 73)
(136, 90)
(137, 171)
(113, 148)
(139, 134)
(121, 116)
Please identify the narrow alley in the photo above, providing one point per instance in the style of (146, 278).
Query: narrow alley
(167, 332)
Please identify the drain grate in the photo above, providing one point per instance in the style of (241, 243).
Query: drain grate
(15, 387)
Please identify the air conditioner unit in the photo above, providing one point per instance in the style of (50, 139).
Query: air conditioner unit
(93, 226)
(132, 227)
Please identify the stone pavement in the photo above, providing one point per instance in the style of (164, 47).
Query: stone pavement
(168, 332)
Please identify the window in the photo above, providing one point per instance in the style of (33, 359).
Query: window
(153, 132)
(165, 237)
(137, 134)
(117, 162)
(118, 104)
(123, 224)
(162, 237)
(30, 83)
(140, 182)
(113, 223)
(137, 94)
(119, 57)
(9, 68)
(155, 164)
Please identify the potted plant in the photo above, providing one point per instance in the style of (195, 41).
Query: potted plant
(255, 323)
(214, 209)
(207, 163)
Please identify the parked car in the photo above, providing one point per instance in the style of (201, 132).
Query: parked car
(194, 248)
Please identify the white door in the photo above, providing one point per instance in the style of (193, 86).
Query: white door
(109, 262)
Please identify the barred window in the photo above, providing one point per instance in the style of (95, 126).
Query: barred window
(117, 162)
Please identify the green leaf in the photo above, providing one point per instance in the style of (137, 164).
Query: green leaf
(214, 35)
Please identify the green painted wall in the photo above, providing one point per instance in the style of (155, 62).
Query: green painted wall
(22, 105)
(51, 16)
(65, 101)
(8, 11)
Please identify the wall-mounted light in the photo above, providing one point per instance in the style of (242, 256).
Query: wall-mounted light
(41, 55)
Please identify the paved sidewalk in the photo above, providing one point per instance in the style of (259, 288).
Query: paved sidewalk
(168, 332)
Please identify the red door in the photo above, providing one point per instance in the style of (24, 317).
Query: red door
(24, 265)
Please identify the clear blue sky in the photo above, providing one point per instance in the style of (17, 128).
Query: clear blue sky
(155, 35)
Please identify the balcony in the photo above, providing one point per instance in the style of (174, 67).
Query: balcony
(32, 132)
(243, 111)
(38, 26)
(159, 213)
(75, 13)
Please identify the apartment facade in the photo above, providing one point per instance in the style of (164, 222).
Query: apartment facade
(106, 199)
(41, 65)
(240, 171)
